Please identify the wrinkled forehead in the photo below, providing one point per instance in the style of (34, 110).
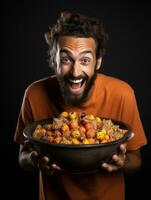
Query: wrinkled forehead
(76, 45)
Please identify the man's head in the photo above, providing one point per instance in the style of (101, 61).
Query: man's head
(76, 47)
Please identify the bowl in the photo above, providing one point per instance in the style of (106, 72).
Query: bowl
(79, 158)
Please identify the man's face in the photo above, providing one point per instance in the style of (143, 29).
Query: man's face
(75, 67)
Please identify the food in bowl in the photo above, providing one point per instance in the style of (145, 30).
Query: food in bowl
(74, 128)
(77, 143)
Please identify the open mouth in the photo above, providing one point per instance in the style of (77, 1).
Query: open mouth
(76, 85)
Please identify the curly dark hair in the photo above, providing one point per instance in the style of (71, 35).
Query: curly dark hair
(77, 25)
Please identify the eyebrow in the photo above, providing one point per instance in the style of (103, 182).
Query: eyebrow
(68, 52)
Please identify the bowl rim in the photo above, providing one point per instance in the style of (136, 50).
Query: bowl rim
(27, 132)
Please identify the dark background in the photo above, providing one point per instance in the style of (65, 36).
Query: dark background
(23, 60)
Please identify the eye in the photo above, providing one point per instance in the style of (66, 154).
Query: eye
(85, 61)
(65, 60)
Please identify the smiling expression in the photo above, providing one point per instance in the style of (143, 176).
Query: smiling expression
(76, 65)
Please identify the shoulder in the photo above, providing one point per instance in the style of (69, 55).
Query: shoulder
(114, 85)
(40, 85)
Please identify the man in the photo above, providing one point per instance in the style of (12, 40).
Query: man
(76, 48)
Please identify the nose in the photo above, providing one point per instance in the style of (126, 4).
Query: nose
(76, 69)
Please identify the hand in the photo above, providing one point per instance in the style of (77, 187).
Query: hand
(118, 159)
(43, 163)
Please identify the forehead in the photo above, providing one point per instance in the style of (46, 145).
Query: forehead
(76, 44)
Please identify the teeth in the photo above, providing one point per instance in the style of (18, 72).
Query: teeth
(76, 81)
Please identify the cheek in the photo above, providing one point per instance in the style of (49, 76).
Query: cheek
(63, 70)
(89, 71)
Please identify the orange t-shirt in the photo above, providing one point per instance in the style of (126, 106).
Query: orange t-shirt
(111, 98)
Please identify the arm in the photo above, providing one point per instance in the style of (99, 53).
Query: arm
(132, 162)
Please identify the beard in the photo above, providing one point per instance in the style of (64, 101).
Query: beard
(74, 99)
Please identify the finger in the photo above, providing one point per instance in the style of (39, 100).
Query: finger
(50, 169)
(131, 136)
(123, 149)
(25, 146)
(109, 167)
(43, 163)
(56, 167)
(34, 157)
(119, 160)
(45, 160)
(26, 143)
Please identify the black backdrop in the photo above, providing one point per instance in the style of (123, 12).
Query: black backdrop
(23, 60)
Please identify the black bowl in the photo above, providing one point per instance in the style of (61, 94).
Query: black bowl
(77, 158)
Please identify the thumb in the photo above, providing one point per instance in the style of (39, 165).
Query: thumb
(131, 136)
(26, 145)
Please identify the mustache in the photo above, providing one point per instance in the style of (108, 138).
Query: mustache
(67, 77)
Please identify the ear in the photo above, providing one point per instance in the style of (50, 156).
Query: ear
(98, 63)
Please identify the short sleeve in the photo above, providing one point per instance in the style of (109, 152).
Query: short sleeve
(130, 115)
(25, 117)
